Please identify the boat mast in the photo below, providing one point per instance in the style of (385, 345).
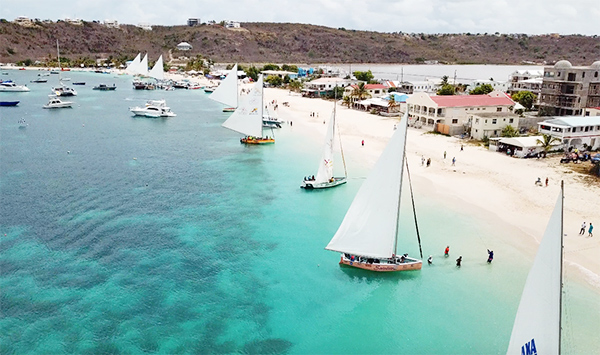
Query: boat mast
(562, 200)
(400, 187)
(58, 56)
(339, 134)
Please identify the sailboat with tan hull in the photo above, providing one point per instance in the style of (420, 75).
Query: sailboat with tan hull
(368, 235)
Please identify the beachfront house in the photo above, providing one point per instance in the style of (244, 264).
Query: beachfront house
(111, 23)
(192, 22)
(491, 124)
(144, 26)
(374, 90)
(568, 89)
(23, 21)
(323, 86)
(454, 114)
(280, 73)
(591, 111)
(232, 24)
(520, 147)
(574, 131)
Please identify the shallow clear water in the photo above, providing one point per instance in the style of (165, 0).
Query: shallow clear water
(137, 235)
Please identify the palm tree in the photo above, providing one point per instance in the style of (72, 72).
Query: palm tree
(347, 101)
(392, 104)
(360, 92)
(546, 141)
(296, 85)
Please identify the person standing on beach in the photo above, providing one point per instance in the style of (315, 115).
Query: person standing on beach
(582, 231)
(458, 261)
(444, 154)
(447, 251)
(546, 182)
(590, 230)
(363, 142)
(453, 161)
(428, 162)
(461, 147)
(490, 256)
(422, 160)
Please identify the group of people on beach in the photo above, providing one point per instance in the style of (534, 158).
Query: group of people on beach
(459, 260)
(590, 229)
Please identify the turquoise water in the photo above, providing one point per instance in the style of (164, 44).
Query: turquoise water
(168, 236)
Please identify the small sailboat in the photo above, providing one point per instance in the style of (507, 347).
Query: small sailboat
(537, 327)
(368, 235)
(157, 71)
(62, 90)
(227, 92)
(247, 118)
(325, 178)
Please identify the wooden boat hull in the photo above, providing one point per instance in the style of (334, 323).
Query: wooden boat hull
(254, 140)
(311, 185)
(409, 264)
(229, 109)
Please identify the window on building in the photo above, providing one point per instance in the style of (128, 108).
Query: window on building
(454, 120)
(511, 120)
(498, 109)
(582, 75)
(558, 74)
(486, 121)
(587, 128)
(569, 89)
(494, 121)
(495, 133)
(477, 121)
(571, 76)
(595, 74)
(478, 109)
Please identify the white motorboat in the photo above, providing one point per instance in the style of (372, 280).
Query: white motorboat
(10, 86)
(64, 91)
(153, 109)
(55, 102)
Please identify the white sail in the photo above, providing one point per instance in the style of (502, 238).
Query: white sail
(143, 68)
(227, 92)
(157, 71)
(247, 118)
(370, 225)
(132, 68)
(325, 172)
(537, 325)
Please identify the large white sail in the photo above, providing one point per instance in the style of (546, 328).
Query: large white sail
(537, 325)
(132, 68)
(247, 118)
(227, 92)
(370, 225)
(157, 71)
(325, 172)
(143, 68)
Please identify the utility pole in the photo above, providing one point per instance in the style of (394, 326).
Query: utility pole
(454, 83)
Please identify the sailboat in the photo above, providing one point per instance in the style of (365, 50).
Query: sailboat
(247, 117)
(368, 235)
(143, 68)
(157, 71)
(62, 90)
(227, 92)
(325, 178)
(132, 68)
(537, 324)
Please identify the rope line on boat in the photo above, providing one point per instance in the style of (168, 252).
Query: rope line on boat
(412, 197)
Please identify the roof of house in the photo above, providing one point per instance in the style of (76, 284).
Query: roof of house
(573, 121)
(524, 142)
(470, 100)
(371, 86)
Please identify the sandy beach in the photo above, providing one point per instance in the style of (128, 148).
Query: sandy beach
(492, 186)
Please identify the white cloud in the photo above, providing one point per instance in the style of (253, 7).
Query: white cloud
(429, 16)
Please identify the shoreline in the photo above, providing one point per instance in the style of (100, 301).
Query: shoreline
(494, 187)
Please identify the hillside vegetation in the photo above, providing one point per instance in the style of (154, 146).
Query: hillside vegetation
(289, 43)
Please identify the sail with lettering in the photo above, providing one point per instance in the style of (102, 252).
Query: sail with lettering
(537, 324)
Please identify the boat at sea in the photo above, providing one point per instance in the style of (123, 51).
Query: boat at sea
(247, 117)
(62, 90)
(104, 87)
(9, 103)
(368, 235)
(537, 326)
(210, 89)
(227, 92)
(325, 178)
(56, 102)
(153, 109)
(78, 83)
(39, 80)
(22, 123)
(10, 86)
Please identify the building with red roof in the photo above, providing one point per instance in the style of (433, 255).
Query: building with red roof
(455, 114)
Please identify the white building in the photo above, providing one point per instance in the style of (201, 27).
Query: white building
(574, 131)
(184, 46)
(497, 85)
(491, 124)
(591, 111)
(23, 21)
(520, 146)
(145, 26)
(232, 24)
(76, 22)
(111, 23)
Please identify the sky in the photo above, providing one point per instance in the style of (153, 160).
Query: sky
(410, 16)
